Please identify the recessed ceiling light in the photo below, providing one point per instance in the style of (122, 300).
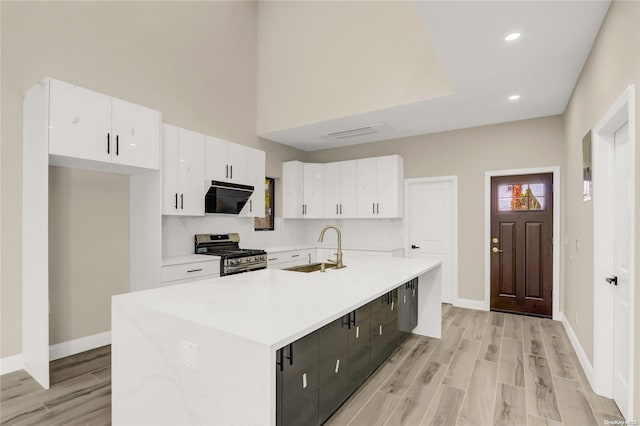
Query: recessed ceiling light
(514, 97)
(512, 36)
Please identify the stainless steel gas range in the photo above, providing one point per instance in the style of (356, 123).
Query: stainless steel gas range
(234, 260)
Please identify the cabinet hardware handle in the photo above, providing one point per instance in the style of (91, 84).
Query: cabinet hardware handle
(108, 143)
(194, 270)
(176, 201)
(181, 201)
(290, 357)
(117, 144)
(231, 172)
(354, 318)
(251, 205)
(377, 208)
(341, 208)
(273, 258)
(226, 172)
(373, 207)
(295, 255)
(280, 361)
(336, 209)
(380, 325)
(346, 318)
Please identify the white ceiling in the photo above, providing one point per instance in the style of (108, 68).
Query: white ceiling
(542, 66)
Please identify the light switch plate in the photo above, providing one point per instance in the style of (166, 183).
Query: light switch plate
(189, 354)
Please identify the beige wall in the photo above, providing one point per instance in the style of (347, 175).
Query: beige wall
(468, 153)
(88, 250)
(613, 64)
(320, 60)
(194, 61)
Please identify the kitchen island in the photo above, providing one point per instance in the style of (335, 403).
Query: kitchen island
(206, 352)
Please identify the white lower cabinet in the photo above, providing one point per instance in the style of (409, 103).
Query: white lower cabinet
(287, 259)
(183, 185)
(184, 269)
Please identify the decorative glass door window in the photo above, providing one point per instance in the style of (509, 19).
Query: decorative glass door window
(521, 197)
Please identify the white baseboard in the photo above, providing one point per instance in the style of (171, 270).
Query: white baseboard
(479, 305)
(582, 355)
(60, 350)
(11, 363)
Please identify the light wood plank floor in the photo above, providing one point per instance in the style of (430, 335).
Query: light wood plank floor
(488, 369)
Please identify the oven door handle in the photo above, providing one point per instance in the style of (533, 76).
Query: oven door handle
(245, 267)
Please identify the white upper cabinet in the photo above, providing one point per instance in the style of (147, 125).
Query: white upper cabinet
(313, 192)
(380, 187)
(216, 153)
(340, 189)
(135, 128)
(183, 186)
(256, 161)
(366, 188)
(293, 189)
(238, 164)
(88, 125)
(227, 162)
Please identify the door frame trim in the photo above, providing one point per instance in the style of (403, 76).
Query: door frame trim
(454, 248)
(622, 110)
(556, 231)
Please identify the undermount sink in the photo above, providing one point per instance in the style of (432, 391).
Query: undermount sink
(312, 267)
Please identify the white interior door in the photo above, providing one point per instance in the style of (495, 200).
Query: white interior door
(430, 228)
(623, 186)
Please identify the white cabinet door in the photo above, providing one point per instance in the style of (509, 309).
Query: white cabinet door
(79, 122)
(332, 190)
(366, 181)
(191, 173)
(216, 164)
(137, 133)
(389, 187)
(237, 159)
(169, 170)
(313, 190)
(348, 189)
(255, 207)
(292, 189)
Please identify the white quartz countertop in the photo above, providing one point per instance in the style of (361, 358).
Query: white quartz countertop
(276, 307)
(188, 258)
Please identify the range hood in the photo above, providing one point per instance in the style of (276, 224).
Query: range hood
(228, 198)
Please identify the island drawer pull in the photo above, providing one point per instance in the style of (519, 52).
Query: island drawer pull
(280, 361)
(273, 258)
(346, 318)
(194, 270)
(295, 255)
(290, 357)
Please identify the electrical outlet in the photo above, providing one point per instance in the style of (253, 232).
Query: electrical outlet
(189, 354)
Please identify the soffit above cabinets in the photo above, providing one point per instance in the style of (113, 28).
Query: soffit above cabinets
(482, 68)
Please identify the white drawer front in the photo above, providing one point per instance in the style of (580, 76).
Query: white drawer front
(297, 257)
(190, 270)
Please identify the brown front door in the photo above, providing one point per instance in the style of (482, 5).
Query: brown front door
(521, 244)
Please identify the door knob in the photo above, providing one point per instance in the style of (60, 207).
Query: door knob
(496, 250)
(413, 246)
(612, 280)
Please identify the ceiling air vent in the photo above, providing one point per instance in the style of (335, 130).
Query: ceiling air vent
(359, 131)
